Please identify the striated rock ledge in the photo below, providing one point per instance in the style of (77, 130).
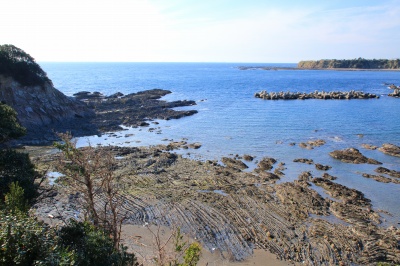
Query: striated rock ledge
(234, 211)
(321, 95)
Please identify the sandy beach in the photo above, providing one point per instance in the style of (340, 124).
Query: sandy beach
(141, 241)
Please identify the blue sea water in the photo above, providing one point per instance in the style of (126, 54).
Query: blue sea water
(231, 121)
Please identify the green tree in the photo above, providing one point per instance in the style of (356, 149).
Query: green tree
(15, 166)
(14, 200)
(9, 126)
(15, 63)
(24, 240)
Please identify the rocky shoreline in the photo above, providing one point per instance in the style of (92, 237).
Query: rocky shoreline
(233, 210)
(134, 109)
(108, 113)
(321, 95)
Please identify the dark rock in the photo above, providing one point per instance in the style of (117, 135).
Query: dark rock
(303, 160)
(305, 176)
(378, 178)
(266, 163)
(195, 145)
(322, 167)
(383, 170)
(234, 163)
(268, 176)
(328, 176)
(352, 155)
(248, 158)
(115, 95)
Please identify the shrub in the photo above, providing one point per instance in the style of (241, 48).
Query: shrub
(17, 167)
(92, 246)
(25, 241)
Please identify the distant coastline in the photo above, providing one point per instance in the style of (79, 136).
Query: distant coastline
(297, 68)
(358, 64)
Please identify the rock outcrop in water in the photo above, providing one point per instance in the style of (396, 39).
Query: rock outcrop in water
(321, 95)
(352, 155)
(390, 149)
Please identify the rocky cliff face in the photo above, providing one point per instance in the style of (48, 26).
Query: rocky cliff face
(43, 109)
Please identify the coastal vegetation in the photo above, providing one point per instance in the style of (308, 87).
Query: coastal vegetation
(24, 240)
(357, 63)
(16, 63)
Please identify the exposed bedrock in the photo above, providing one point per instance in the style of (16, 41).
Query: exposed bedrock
(42, 109)
(236, 211)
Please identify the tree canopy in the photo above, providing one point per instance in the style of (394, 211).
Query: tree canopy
(16, 63)
(9, 127)
(358, 63)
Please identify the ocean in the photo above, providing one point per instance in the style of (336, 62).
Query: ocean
(232, 121)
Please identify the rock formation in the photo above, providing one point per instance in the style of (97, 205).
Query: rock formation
(39, 106)
(390, 149)
(352, 155)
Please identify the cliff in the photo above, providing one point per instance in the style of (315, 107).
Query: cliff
(41, 108)
(358, 63)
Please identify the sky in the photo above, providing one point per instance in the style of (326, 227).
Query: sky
(258, 31)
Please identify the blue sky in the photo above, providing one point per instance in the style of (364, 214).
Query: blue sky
(201, 31)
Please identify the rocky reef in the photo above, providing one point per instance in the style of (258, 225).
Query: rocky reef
(233, 211)
(134, 109)
(322, 95)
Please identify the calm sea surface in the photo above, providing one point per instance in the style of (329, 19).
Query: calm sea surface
(231, 121)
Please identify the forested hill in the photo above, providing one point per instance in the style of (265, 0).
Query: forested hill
(358, 63)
